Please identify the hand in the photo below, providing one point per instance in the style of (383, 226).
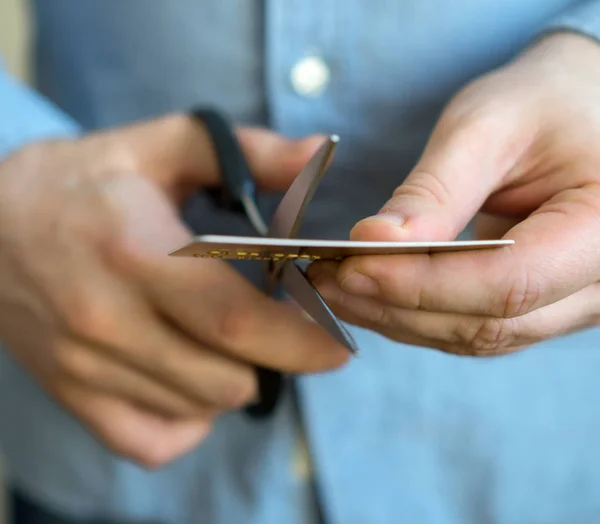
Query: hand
(522, 145)
(143, 348)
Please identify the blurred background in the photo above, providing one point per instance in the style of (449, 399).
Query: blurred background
(13, 49)
(13, 36)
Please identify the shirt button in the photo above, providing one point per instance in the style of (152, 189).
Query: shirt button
(310, 76)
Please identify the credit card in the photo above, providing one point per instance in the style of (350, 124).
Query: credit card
(260, 248)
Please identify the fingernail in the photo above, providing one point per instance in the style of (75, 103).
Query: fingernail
(392, 218)
(359, 284)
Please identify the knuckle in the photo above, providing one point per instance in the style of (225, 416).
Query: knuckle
(235, 326)
(114, 152)
(400, 280)
(74, 362)
(422, 184)
(481, 121)
(121, 256)
(472, 119)
(381, 315)
(90, 318)
(372, 311)
(417, 297)
(473, 111)
(521, 297)
(119, 158)
(487, 336)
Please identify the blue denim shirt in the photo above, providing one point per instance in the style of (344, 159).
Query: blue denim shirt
(402, 434)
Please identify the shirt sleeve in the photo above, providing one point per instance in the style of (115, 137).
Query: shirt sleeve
(27, 117)
(584, 19)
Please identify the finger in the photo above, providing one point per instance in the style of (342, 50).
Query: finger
(131, 432)
(471, 150)
(166, 355)
(99, 372)
(211, 302)
(493, 227)
(94, 313)
(348, 315)
(197, 370)
(556, 253)
(466, 334)
(208, 299)
(274, 160)
(411, 339)
(181, 146)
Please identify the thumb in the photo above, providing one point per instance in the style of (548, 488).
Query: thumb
(460, 167)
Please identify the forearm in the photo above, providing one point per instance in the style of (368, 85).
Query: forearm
(26, 117)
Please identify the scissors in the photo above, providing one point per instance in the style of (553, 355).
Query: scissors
(238, 194)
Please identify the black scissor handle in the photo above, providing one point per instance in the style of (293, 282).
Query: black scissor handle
(238, 187)
(238, 182)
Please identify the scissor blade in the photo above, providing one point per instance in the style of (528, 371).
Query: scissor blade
(300, 288)
(288, 217)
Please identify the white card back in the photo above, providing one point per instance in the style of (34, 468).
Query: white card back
(259, 248)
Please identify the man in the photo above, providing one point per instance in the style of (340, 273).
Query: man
(139, 355)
